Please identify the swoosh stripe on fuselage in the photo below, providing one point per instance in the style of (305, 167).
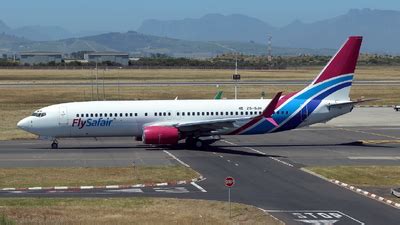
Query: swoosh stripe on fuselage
(293, 105)
(297, 119)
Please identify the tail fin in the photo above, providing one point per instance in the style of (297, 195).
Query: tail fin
(342, 64)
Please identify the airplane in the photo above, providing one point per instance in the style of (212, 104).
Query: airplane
(218, 95)
(201, 122)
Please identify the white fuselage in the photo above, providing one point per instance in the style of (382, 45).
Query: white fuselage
(127, 118)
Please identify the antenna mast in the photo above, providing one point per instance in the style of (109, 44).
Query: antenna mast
(269, 48)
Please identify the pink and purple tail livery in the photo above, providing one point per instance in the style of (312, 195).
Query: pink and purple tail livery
(344, 62)
(332, 83)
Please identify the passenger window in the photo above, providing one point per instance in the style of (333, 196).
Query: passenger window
(87, 115)
(135, 114)
(169, 114)
(115, 114)
(183, 114)
(155, 114)
(131, 114)
(216, 113)
(202, 113)
(177, 113)
(226, 113)
(208, 113)
(105, 115)
(198, 113)
(145, 114)
(95, 115)
(212, 113)
(287, 112)
(120, 114)
(246, 113)
(241, 113)
(236, 113)
(251, 112)
(82, 115)
(164, 114)
(101, 114)
(126, 114)
(231, 113)
(91, 114)
(77, 115)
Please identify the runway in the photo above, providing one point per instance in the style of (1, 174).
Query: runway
(13, 84)
(267, 170)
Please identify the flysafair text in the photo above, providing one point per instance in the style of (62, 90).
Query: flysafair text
(80, 123)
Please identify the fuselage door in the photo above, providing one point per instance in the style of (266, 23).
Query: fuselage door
(63, 117)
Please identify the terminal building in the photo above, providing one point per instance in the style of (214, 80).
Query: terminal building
(32, 58)
(114, 57)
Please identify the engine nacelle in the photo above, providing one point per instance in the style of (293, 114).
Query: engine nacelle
(160, 135)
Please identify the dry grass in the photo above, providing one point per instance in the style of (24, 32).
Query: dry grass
(17, 103)
(362, 176)
(129, 211)
(148, 75)
(376, 179)
(49, 177)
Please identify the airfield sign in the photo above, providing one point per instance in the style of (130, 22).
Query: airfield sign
(229, 182)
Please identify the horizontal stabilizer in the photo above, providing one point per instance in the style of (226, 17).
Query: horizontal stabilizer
(340, 104)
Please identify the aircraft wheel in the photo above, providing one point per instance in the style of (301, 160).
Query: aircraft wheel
(54, 145)
(199, 144)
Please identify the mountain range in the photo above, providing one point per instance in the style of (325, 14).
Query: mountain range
(380, 29)
(216, 34)
(141, 44)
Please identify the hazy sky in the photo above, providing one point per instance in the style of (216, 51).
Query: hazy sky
(123, 15)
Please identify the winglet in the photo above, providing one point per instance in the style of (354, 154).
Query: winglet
(269, 110)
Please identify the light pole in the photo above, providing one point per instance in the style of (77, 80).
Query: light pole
(97, 83)
(236, 77)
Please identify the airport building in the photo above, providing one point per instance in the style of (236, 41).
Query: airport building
(115, 57)
(32, 58)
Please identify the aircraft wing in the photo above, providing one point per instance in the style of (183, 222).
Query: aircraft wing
(209, 125)
(215, 125)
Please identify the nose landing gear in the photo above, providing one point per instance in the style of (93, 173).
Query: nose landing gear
(54, 145)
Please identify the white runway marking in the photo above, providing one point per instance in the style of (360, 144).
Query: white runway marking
(374, 157)
(176, 158)
(318, 216)
(198, 187)
(174, 190)
(130, 190)
(262, 153)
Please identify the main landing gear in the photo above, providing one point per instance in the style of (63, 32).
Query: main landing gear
(194, 143)
(54, 145)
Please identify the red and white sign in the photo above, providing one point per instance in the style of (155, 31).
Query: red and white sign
(229, 181)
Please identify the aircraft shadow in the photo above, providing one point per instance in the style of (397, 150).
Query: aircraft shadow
(220, 149)
(354, 143)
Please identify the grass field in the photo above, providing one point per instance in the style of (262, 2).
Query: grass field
(362, 176)
(148, 75)
(18, 102)
(376, 178)
(127, 211)
(49, 177)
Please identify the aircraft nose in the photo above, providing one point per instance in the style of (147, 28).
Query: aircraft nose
(23, 124)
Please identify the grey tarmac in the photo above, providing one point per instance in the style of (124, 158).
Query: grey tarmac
(267, 168)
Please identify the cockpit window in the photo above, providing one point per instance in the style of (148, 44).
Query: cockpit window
(38, 114)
